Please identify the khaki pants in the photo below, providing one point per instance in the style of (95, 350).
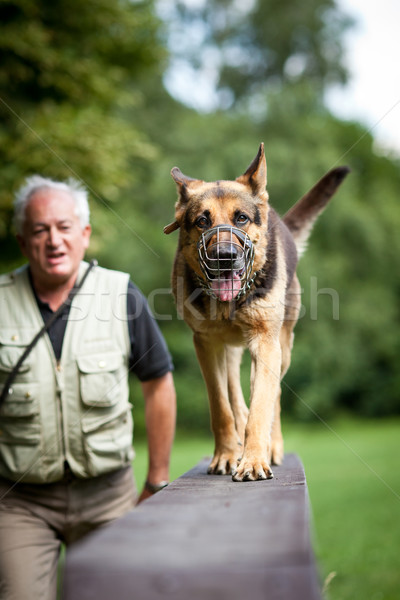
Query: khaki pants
(36, 519)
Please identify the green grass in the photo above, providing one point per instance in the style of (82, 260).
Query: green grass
(353, 473)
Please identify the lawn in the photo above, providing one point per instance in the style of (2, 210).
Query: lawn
(353, 472)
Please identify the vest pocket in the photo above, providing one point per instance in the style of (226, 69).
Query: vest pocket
(20, 428)
(100, 379)
(107, 421)
(108, 442)
(12, 347)
(18, 413)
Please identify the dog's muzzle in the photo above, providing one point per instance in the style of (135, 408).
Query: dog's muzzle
(226, 256)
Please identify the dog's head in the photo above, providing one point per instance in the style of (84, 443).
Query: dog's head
(223, 228)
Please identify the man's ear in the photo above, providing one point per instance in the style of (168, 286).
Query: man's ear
(21, 243)
(86, 233)
(256, 175)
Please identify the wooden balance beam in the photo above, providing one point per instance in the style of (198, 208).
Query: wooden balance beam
(204, 537)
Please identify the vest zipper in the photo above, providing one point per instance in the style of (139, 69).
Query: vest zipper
(60, 411)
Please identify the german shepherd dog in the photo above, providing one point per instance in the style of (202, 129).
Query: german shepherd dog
(235, 285)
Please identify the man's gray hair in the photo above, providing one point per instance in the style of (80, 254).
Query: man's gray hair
(34, 183)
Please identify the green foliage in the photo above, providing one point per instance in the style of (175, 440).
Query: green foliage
(81, 94)
(350, 359)
(258, 45)
(70, 73)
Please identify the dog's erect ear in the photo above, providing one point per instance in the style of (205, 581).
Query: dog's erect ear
(182, 181)
(179, 178)
(256, 174)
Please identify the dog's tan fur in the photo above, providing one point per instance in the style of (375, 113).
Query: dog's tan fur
(246, 441)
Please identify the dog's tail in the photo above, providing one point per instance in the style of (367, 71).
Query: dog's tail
(302, 216)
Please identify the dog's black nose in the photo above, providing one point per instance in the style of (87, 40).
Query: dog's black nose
(223, 251)
(225, 254)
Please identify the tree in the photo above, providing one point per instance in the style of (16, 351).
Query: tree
(101, 107)
(70, 93)
(248, 47)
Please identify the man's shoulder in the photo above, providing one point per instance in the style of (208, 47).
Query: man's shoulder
(103, 280)
(7, 279)
(10, 279)
(111, 274)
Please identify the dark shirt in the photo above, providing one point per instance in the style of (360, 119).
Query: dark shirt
(149, 357)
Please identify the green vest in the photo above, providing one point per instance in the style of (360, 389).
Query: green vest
(76, 409)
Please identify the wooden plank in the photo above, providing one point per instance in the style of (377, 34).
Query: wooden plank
(204, 537)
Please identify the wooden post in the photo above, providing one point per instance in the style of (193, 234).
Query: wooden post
(204, 537)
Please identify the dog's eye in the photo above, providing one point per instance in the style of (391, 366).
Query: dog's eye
(241, 219)
(203, 222)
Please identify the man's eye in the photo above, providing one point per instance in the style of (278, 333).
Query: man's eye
(242, 219)
(203, 222)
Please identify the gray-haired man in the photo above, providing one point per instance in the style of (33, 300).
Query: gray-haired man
(66, 425)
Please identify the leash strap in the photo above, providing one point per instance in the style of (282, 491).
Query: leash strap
(10, 379)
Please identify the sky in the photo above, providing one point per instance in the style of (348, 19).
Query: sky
(372, 56)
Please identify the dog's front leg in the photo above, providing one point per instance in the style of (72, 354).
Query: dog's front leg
(212, 358)
(236, 399)
(265, 381)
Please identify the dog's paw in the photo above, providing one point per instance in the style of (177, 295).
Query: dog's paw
(249, 470)
(223, 464)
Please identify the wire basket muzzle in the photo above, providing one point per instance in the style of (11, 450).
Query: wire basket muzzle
(226, 256)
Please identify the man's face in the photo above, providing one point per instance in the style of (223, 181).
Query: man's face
(53, 239)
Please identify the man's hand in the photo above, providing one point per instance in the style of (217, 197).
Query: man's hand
(144, 495)
(151, 488)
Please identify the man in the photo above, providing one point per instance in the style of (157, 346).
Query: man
(65, 420)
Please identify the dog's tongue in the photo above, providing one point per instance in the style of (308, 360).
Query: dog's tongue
(226, 289)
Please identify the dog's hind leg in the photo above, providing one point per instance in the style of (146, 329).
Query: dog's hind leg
(286, 342)
(286, 337)
(277, 451)
(236, 399)
(212, 358)
(292, 310)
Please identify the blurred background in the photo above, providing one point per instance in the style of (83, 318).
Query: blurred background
(117, 93)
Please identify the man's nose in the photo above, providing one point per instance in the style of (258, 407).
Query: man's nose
(54, 237)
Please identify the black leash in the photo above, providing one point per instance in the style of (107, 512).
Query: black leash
(10, 379)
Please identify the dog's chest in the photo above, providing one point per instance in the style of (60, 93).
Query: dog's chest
(225, 331)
